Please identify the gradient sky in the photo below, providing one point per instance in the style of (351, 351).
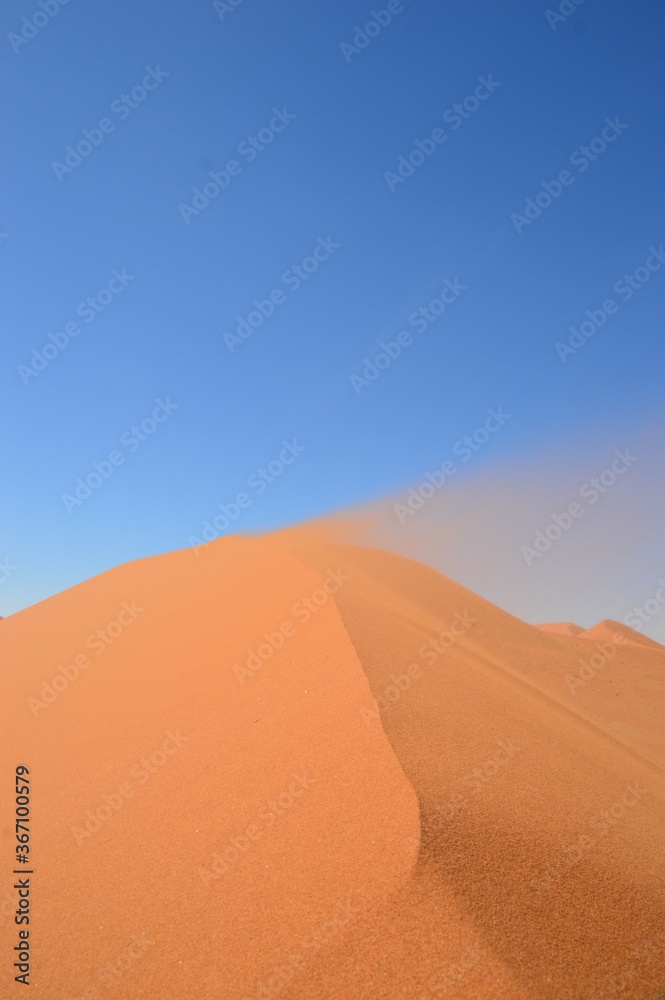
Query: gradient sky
(221, 74)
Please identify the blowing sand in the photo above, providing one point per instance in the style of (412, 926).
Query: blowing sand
(285, 767)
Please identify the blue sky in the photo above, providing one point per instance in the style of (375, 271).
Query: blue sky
(336, 119)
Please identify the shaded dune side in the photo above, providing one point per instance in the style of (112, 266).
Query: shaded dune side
(560, 896)
(626, 694)
(616, 681)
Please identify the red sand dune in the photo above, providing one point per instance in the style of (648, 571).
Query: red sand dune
(609, 629)
(292, 768)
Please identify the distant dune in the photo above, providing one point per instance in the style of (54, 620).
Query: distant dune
(284, 767)
(609, 629)
(561, 628)
(605, 630)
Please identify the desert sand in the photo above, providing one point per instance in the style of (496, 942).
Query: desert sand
(281, 766)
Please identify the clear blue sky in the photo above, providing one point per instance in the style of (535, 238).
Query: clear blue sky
(218, 76)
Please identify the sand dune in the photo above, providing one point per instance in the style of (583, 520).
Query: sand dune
(609, 629)
(560, 628)
(285, 767)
